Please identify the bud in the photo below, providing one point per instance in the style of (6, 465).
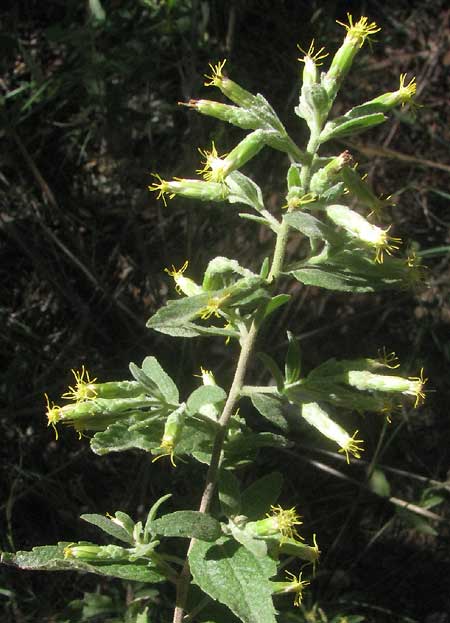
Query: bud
(358, 227)
(87, 389)
(93, 553)
(183, 284)
(193, 189)
(325, 177)
(343, 59)
(317, 417)
(291, 547)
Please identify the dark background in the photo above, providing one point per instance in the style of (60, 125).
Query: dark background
(89, 109)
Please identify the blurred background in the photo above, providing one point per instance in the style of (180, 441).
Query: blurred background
(89, 109)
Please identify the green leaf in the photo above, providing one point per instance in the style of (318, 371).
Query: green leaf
(379, 484)
(412, 520)
(177, 312)
(309, 225)
(272, 408)
(244, 190)
(119, 436)
(204, 395)
(331, 280)
(51, 558)
(187, 524)
(231, 574)
(275, 302)
(152, 513)
(344, 126)
(292, 367)
(257, 547)
(229, 493)
(273, 368)
(244, 445)
(261, 495)
(109, 526)
(162, 380)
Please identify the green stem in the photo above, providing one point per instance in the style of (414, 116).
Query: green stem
(247, 346)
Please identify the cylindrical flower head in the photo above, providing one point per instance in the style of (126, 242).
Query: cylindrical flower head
(90, 552)
(173, 429)
(327, 175)
(292, 547)
(358, 227)
(387, 101)
(317, 417)
(294, 584)
(235, 115)
(311, 62)
(216, 167)
(86, 388)
(230, 89)
(412, 386)
(193, 189)
(183, 284)
(356, 35)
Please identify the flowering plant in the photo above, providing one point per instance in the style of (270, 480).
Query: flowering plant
(239, 538)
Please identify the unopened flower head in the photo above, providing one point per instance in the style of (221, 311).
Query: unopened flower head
(215, 167)
(351, 445)
(84, 387)
(213, 307)
(359, 31)
(285, 521)
(207, 377)
(216, 77)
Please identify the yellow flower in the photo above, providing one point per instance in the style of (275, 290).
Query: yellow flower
(215, 169)
(84, 387)
(390, 360)
(297, 585)
(217, 76)
(406, 92)
(417, 385)
(162, 188)
(360, 31)
(285, 521)
(53, 415)
(213, 307)
(168, 449)
(351, 445)
(311, 55)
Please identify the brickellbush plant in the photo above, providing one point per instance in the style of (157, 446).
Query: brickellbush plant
(238, 544)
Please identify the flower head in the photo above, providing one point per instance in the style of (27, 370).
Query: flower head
(312, 55)
(162, 188)
(285, 521)
(351, 445)
(406, 91)
(53, 414)
(167, 448)
(215, 167)
(416, 389)
(213, 307)
(359, 32)
(183, 285)
(216, 77)
(388, 359)
(84, 387)
(296, 585)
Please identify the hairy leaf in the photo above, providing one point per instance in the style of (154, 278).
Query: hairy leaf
(187, 524)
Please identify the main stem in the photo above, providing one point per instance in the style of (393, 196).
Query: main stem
(247, 346)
